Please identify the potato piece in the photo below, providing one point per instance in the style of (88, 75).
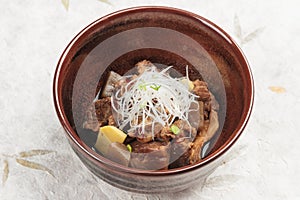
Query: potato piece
(113, 133)
(118, 153)
(108, 135)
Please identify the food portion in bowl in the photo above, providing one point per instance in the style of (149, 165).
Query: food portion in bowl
(153, 118)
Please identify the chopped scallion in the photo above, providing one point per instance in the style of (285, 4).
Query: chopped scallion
(174, 129)
(129, 147)
(142, 87)
(155, 87)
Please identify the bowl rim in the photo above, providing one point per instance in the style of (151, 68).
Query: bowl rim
(90, 154)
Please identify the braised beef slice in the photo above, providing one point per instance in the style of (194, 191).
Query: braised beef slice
(196, 115)
(98, 114)
(184, 151)
(149, 156)
(210, 128)
(165, 134)
(193, 115)
(179, 152)
(109, 87)
(180, 145)
(200, 89)
(111, 121)
(194, 154)
(185, 129)
(147, 135)
(214, 103)
(142, 65)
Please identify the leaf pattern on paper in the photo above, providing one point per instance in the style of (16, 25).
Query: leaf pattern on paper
(34, 152)
(34, 165)
(66, 4)
(239, 33)
(5, 172)
(105, 1)
(220, 181)
(237, 27)
(20, 158)
(277, 89)
(252, 35)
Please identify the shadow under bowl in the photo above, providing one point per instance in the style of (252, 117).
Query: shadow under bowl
(165, 36)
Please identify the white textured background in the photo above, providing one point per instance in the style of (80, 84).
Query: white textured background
(264, 164)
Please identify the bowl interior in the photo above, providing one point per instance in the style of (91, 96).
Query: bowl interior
(165, 37)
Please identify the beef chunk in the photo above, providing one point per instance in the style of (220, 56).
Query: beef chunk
(185, 129)
(205, 135)
(196, 115)
(185, 151)
(112, 80)
(213, 125)
(91, 121)
(194, 154)
(200, 89)
(141, 66)
(147, 135)
(98, 114)
(165, 134)
(150, 156)
(181, 144)
(179, 152)
(111, 121)
(103, 110)
(214, 103)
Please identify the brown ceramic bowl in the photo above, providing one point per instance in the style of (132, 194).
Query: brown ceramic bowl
(165, 36)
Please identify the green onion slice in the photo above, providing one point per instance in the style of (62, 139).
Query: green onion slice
(129, 147)
(174, 129)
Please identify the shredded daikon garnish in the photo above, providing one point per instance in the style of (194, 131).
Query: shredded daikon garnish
(152, 97)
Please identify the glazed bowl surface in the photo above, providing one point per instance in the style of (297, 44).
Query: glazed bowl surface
(167, 37)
